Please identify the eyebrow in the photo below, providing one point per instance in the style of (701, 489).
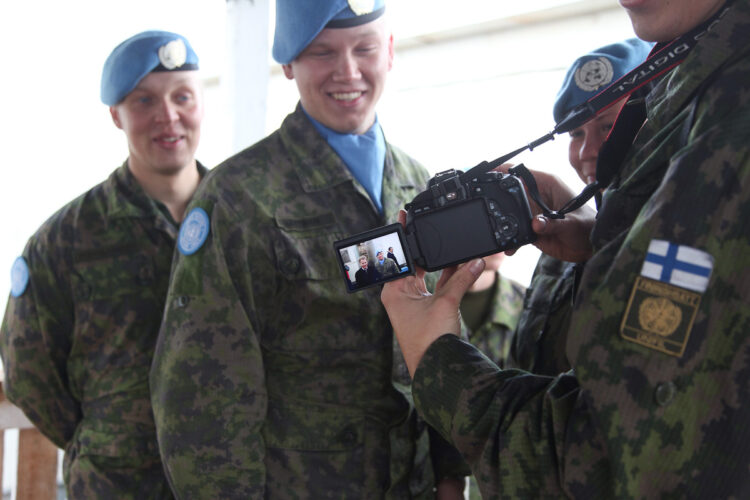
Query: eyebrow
(359, 37)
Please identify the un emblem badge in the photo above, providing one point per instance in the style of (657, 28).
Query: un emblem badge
(193, 232)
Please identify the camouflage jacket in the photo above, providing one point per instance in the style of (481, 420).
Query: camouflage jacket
(495, 335)
(658, 402)
(269, 379)
(77, 344)
(539, 340)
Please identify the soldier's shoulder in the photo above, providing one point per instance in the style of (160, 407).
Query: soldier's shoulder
(83, 212)
(249, 170)
(405, 164)
(518, 289)
(246, 183)
(550, 267)
(400, 156)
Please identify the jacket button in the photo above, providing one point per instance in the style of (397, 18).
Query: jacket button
(84, 291)
(145, 276)
(292, 265)
(664, 393)
(348, 436)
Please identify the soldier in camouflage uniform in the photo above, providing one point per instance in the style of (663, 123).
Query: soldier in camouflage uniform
(87, 295)
(539, 341)
(658, 402)
(269, 379)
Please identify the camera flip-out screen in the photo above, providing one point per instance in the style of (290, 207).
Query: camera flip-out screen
(374, 257)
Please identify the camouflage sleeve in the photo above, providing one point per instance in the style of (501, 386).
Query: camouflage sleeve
(207, 379)
(447, 462)
(36, 333)
(514, 429)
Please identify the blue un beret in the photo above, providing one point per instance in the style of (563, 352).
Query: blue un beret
(298, 22)
(138, 56)
(591, 74)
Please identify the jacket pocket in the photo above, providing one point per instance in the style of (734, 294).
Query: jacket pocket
(315, 452)
(304, 247)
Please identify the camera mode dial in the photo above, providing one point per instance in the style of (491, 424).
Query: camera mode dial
(507, 228)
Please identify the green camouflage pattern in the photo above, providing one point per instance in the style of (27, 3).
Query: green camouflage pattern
(269, 380)
(630, 421)
(77, 344)
(540, 337)
(495, 336)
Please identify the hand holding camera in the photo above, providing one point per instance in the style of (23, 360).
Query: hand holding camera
(562, 238)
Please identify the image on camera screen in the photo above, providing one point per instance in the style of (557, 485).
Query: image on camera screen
(374, 257)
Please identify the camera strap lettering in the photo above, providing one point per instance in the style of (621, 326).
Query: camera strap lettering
(662, 59)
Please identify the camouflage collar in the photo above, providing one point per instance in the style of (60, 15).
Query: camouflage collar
(505, 294)
(126, 198)
(319, 168)
(730, 35)
(507, 303)
(317, 165)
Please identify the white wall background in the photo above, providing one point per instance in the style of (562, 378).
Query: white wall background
(472, 80)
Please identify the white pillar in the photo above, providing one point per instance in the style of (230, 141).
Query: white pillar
(247, 70)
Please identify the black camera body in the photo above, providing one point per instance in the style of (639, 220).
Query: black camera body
(461, 216)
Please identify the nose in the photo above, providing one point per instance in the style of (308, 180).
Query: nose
(166, 112)
(588, 154)
(347, 68)
(590, 148)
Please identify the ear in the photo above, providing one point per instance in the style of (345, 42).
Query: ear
(390, 51)
(288, 71)
(115, 116)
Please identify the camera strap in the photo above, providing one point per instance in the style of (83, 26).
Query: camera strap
(663, 58)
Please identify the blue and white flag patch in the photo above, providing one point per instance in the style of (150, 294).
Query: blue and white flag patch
(193, 231)
(666, 296)
(678, 265)
(19, 277)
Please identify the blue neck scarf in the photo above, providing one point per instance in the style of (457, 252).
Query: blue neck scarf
(363, 154)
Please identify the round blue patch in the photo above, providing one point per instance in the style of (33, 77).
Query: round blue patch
(193, 232)
(19, 277)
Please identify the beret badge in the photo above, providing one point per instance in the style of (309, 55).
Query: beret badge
(594, 74)
(173, 54)
(361, 7)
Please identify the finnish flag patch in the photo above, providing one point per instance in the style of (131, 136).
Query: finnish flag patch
(665, 297)
(678, 265)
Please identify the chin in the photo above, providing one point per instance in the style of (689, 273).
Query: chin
(173, 167)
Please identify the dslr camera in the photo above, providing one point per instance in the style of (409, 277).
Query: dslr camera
(460, 216)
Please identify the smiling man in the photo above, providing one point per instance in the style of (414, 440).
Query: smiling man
(270, 380)
(87, 294)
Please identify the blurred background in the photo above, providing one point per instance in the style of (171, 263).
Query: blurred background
(471, 81)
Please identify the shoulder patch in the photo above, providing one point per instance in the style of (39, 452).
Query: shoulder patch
(193, 231)
(666, 296)
(660, 316)
(19, 277)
